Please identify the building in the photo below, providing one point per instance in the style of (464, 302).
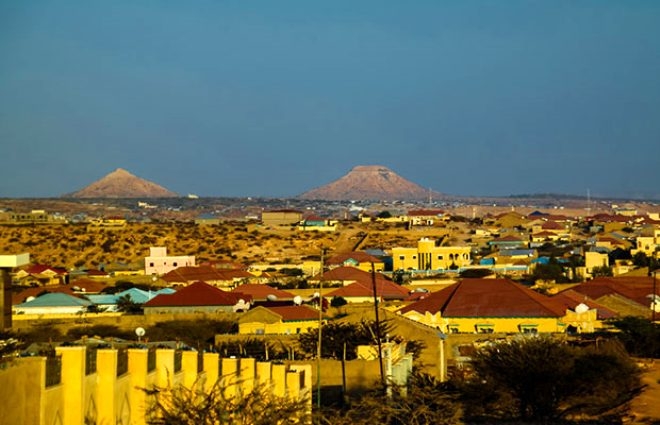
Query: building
(428, 256)
(488, 306)
(7, 264)
(198, 297)
(280, 320)
(53, 303)
(281, 217)
(358, 259)
(159, 263)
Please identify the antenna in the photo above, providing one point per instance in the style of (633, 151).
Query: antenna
(297, 300)
(139, 331)
(588, 202)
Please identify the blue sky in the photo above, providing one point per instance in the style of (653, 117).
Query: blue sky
(273, 98)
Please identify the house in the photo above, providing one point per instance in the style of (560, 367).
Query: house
(109, 302)
(428, 256)
(508, 242)
(360, 260)
(343, 276)
(488, 306)
(628, 296)
(41, 275)
(283, 217)
(159, 263)
(217, 277)
(314, 222)
(198, 297)
(260, 292)
(428, 217)
(53, 303)
(207, 219)
(363, 291)
(281, 320)
(582, 313)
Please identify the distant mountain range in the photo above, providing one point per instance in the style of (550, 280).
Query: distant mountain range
(365, 182)
(122, 184)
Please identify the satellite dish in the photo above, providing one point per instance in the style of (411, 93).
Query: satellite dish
(581, 308)
(140, 332)
(316, 294)
(271, 297)
(30, 298)
(297, 300)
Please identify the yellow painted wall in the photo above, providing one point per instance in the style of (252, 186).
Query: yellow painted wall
(427, 256)
(106, 398)
(278, 328)
(500, 324)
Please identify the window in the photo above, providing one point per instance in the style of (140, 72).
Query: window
(440, 257)
(174, 264)
(454, 329)
(485, 328)
(151, 264)
(402, 257)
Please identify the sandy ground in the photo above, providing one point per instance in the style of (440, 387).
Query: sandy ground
(645, 409)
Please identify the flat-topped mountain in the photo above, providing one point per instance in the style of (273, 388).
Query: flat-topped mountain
(122, 184)
(366, 182)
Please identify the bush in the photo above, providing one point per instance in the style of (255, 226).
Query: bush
(542, 379)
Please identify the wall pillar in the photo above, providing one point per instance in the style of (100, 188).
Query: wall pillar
(106, 369)
(73, 379)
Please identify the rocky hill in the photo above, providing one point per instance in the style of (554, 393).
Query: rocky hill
(122, 184)
(365, 182)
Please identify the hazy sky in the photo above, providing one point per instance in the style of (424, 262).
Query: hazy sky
(273, 98)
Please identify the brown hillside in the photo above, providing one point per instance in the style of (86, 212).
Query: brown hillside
(366, 182)
(122, 184)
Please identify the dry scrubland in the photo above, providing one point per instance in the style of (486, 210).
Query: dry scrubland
(77, 246)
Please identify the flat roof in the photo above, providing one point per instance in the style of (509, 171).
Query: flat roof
(14, 260)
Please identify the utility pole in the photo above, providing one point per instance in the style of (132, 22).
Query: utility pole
(380, 349)
(318, 344)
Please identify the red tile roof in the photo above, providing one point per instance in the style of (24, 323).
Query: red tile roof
(552, 225)
(204, 273)
(261, 292)
(197, 294)
(508, 238)
(41, 268)
(571, 299)
(343, 274)
(295, 313)
(385, 289)
(488, 298)
(89, 286)
(636, 289)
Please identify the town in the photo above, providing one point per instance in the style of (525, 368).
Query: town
(320, 303)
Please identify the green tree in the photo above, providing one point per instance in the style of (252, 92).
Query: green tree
(602, 271)
(542, 379)
(338, 302)
(640, 336)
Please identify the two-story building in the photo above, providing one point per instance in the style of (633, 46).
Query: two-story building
(428, 256)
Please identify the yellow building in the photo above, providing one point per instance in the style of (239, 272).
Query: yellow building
(106, 386)
(428, 256)
(647, 244)
(282, 320)
(488, 306)
(281, 217)
(594, 259)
